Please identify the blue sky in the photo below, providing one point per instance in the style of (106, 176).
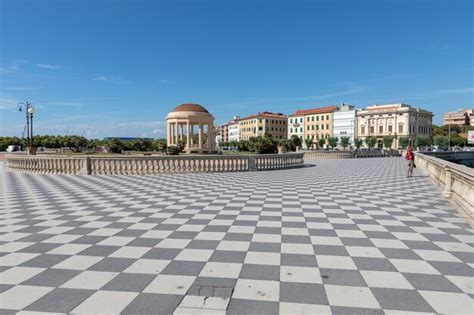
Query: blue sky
(116, 68)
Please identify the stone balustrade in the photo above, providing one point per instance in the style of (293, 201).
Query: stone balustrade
(456, 181)
(321, 154)
(149, 165)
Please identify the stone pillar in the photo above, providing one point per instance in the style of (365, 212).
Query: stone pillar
(447, 182)
(168, 134)
(188, 136)
(200, 135)
(210, 136)
(176, 133)
(181, 132)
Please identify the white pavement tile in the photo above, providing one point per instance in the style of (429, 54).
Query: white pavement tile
(93, 280)
(414, 266)
(351, 296)
(105, 302)
(205, 302)
(261, 290)
(300, 274)
(15, 259)
(69, 249)
(130, 252)
(335, 262)
(147, 266)
(221, 270)
(385, 279)
(436, 255)
(364, 251)
(194, 255)
(299, 308)
(78, 262)
(464, 283)
(449, 303)
(170, 284)
(20, 296)
(17, 275)
(263, 258)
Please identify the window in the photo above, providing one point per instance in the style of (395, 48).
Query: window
(312, 118)
(317, 127)
(291, 121)
(372, 129)
(266, 120)
(312, 127)
(389, 128)
(327, 117)
(307, 119)
(362, 130)
(307, 127)
(291, 130)
(322, 127)
(322, 118)
(301, 129)
(400, 128)
(301, 120)
(260, 128)
(380, 129)
(327, 127)
(317, 118)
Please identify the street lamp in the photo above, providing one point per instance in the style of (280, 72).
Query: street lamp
(29, 110)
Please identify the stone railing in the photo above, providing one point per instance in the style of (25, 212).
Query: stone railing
(321, 154)
(457, 181)
(148, 165)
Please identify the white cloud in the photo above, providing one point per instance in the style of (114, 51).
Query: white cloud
(167, 81)
(114, 79)
(48, 66)
(8, 102)
(460, 91)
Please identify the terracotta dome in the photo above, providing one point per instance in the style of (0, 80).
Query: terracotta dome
(190, 108)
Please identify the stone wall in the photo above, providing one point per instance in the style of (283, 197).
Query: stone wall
(456, 181)
(322, 154)
(148, 165)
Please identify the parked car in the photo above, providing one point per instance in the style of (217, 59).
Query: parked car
(13, 148)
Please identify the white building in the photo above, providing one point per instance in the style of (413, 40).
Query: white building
(344, 123)
(296, 127)
(234, 130)
(395, 120)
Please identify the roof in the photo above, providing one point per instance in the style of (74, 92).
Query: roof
(313, 111)
(264, 114)
(189, 107)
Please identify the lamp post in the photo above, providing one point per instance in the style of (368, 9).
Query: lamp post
(29, 110)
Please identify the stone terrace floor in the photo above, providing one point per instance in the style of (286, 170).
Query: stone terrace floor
(337, 236)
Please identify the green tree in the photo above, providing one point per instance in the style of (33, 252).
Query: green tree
(309, 143)
(387, 142)
(440, 141)
(115, 146)
(358, 143)
(403, 142)
(422, 141)
(160, 145)
(332, 141)
(263, 145)
(294, 143)
(370, 142)
(321, 142)
(244, 145)
(345, 142)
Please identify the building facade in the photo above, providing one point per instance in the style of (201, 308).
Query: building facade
(344, 123)
(296, 127)
(263, 124)
(395, 120)
(318, 123)
(224, 133)
(234, 130)
(460, 117)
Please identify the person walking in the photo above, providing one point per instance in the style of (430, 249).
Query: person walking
(410, 157)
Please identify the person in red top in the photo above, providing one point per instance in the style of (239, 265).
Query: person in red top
(410, 157)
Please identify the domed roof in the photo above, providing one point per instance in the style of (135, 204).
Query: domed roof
(190, 108)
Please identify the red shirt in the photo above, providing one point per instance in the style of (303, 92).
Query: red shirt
(410, 156)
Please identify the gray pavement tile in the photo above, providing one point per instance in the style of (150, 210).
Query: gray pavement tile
(228, 256)
(146, 303)
(131, 282)
(112, 264)
(39, 248)
(298, 260)
(453, 268)
(183, 268)
(242, 237)
(306, 293)
(399, 253)
(251, 307)
(203, 244)
(401, 300)
(60, 300)
(330, 250)
(44, 261)
(341, 310)
(265, 247)
(162, 253)
(52, 277)
(342, 277)
(260, 272)
(375, 264)
(431, 282)
(99, 250)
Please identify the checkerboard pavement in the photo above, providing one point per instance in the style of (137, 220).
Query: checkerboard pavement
(337, 236)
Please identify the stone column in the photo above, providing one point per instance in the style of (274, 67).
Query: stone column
(168, 135)
(181, 132)
(176, 133)
(210, 136)
(200, 135)
(188, 136)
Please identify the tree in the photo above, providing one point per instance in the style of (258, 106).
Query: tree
(160, 145)
(370, 142)
(309, 143)
(115, 146)
(345, 142)
(332, 141)
(172, 150)
(358, 143)
(440, 141)
(403, 142)
(422, 141)
(243, 145)
(294, 143)
(263, 145)
(321, 142)
(387, 142)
